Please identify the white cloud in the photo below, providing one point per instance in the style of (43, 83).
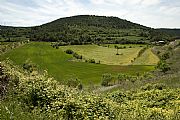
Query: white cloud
(153, 13)
(150, 2)
(126, 2)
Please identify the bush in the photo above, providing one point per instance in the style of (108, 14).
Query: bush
(158, 86)
(106, 79)
(121, 77)
(92, 61)
(43, 95)
(29, 66)
(69, 51)
(74, 82)
(141, 51)
(77, 56)
(39, 97)
(163, 66)
(165, 56)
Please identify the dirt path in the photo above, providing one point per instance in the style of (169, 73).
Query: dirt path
(103, 89)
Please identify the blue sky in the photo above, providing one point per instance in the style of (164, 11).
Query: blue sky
(151, 13)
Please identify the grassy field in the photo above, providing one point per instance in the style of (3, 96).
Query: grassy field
(147, 58)
(57, 63)
(106, 55)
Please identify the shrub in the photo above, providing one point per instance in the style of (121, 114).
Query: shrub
(69, 51)
(163, 66)
(77, 56)
(74, 82)
(29, 66)
(141, 51)
(106, 79)
(91, 61)
(165, 56)
(158, 86)
(43, 95)
(121, 77)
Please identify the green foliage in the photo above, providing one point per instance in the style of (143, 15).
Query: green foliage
(36, 96)
(74, 82)
(69, 51)
(142, 51)
(43, 95)
(163, 66)
(84, 29)
(158, 86)
(165, 56)
(77, 56)
(29, 66)
(153, 103)
(90, 61)
(106, 79)
(122, 77)
(5, 47)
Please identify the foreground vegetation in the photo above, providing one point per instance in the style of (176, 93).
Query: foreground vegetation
(31, 95)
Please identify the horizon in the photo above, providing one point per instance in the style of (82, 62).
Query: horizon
(84, 15)
(150, 13)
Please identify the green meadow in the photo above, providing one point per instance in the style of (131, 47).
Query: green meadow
(59, 64)
(104, 54)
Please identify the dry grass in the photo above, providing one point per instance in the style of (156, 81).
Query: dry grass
(106, 55)
(147, 58)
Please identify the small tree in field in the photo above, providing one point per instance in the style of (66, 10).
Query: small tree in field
(121, 77)
(163, 66)
(106, 78)
(117, 47)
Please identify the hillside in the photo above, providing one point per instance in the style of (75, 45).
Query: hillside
(172, 32)
(61, 78)
(27, 94)
(85, 29)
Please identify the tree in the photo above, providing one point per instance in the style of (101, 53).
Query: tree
(106, 78)
(165, 56)
(117, 47)
(121, 77)
(163, 66)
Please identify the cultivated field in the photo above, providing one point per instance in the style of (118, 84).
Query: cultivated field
(58, 63)
(107, 55)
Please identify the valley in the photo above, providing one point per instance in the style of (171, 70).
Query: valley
(89, 67)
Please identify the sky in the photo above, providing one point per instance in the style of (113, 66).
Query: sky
(151, 13)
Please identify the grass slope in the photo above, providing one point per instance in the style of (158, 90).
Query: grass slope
(147, 58)
(106, 55)
(57, 63)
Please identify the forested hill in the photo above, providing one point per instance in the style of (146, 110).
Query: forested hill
(94, 21)
(173, 32)
(85, 29)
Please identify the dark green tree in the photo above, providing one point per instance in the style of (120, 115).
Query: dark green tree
(163, 66)
(106, 79)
